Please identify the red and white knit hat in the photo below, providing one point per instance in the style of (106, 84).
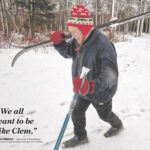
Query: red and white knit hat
(80, 17)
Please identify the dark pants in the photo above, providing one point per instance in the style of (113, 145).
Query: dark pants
(104, 111)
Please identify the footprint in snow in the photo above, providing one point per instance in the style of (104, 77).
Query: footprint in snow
(132, 115)
(124, 111)
(128, 65)
(12, 146)
(64, 103)
(124, 70)
(31, 112)
(49, 143)
(46, 126)
(142, 110)
(97, 130)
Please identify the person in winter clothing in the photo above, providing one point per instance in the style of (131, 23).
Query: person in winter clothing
(99, 55)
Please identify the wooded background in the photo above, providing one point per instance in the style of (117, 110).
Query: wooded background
(32, 17)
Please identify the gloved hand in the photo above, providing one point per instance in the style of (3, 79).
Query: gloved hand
(87, 87)
(56, 37)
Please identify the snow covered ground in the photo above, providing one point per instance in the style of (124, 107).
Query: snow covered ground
(41, 84)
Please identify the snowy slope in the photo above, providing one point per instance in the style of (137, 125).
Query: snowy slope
(41, 84)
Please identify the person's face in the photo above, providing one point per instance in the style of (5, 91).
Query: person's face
(77, 34)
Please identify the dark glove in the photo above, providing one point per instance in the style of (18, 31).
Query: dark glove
(86, 88)
(56, 37)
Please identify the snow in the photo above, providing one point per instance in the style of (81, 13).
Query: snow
(40, 82)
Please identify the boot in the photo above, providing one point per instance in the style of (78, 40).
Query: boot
(74, 141)
(113, 131)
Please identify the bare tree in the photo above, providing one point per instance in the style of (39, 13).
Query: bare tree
(4, 17)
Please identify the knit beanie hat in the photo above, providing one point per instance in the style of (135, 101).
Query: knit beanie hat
(81, 18)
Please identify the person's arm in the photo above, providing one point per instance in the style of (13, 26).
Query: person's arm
(63, 47)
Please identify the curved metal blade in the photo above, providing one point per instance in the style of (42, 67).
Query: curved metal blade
(28, 48)
(18, 55)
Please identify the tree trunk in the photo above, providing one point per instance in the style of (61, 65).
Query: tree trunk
(138, 27)
(2, 17)
(149, 26)
(143, 2)
(5, 18)
(13, 21)
(96, 12)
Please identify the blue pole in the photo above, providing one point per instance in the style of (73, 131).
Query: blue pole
(64, 126)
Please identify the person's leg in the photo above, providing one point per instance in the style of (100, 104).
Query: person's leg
(105, 113)
(79, 118)
(79, 122)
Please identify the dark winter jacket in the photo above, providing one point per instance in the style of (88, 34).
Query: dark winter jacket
(101, 58)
